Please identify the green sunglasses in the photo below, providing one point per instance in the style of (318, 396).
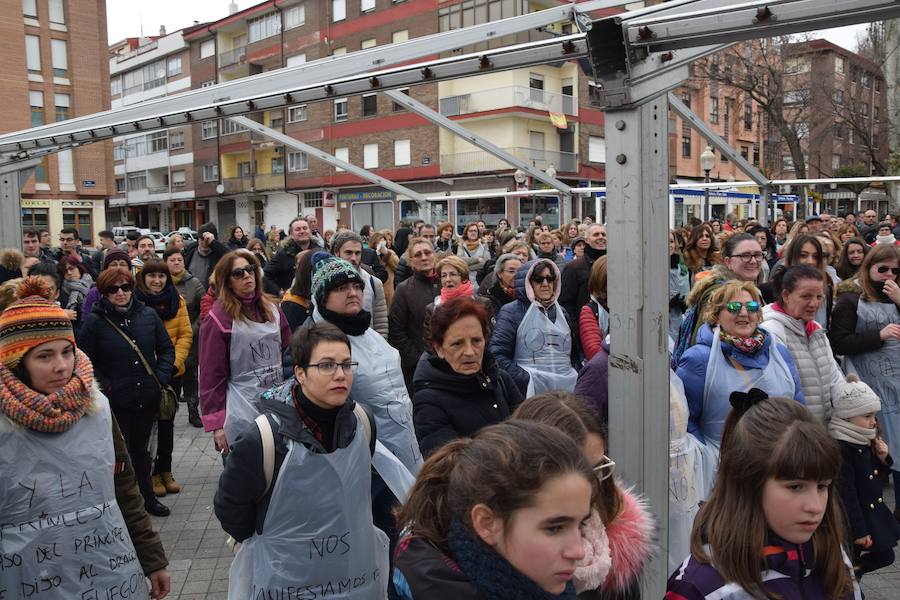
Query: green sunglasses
(735, 307)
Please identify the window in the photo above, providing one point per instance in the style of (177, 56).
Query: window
(596, 149)
(794, 96)
(115, 86)
(229, 127)
(686, 99)
(118, 151)
(748, 113)
(137, 181)
(36, 100)
(173, 66)
(57, 11)
(80, 219)
(179, 179)
(264, 27)
(120, 185)
(276, 121)
(158, 141)
(312, 199)
(339, 51)
(154, 75)
(370, 156)
(854, 74)
(294, 16)
(756, 154)
(877, 86)
(35, 218)
(297, 59)
(340, 109)
(838, 131)
(210, 172)
(62, 106)
(208, 83)
(800, 64)
(298, 161)
(369, 43)
(207, 48)
(838, 64)
(370, 104)
(536, 83)
(400, 36)
(29, 8)
(366, 5)
(277, 165)
(297, 113)
(399, 107)
(338, 10)
(864, 109)
(714, 109)
(745, 152)
(33, 53)
(246, 169)
(342, 154)
(59, 53)
(876, 113)
(686, 144)
(464, 14)
(866, 79)
(176, 140)
(136, 146)
(401, 152)
(802, 130)
(835, 161)
(850, 136)
(208, 129)
(838, 97)
(65, 168)
(133, 81)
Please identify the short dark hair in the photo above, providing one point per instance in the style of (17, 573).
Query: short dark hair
(31, 233)
(147, 237)
(307, 337)
(786, 280)
(106, 233)
(170, 250)
(71, 230)
(47, 269)
(731, 243)
(133, 236)
(448, 313)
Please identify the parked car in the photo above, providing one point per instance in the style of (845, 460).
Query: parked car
(119, 233)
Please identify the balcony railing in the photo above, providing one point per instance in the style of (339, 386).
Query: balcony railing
(479, 161)
(514, 95)
(236, 185)
(233, 57)
(158, 189)
(268, 181)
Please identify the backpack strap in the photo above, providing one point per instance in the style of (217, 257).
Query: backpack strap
(268, 446)
(363, 418)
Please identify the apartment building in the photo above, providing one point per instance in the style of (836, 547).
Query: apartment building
(541, 115)
(154, 172)
(54, 68)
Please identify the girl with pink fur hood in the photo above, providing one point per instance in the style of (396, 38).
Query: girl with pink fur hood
(618, 536)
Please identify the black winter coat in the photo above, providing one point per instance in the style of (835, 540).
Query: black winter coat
(575, 292)
(842, 334)
(448, 405)
(217, 251)
(370, 258)
(861, 492)
(426, 572)
(117, 367)
(406, 321)
(279, 272)
(496, 295)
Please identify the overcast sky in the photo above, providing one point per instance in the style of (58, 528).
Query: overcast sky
(128, 18)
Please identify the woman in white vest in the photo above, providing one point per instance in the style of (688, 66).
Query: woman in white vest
(69, 503)
(241, 342)
(304, 520)
(532, 340)
(865, 329)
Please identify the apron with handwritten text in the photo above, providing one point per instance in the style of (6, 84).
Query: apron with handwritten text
(62, 535)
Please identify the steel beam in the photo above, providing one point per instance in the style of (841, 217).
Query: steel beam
(716, 141)
(637, 222)
(475, 139)
(328, 158)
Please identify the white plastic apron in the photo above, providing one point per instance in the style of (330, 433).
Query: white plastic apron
(722, 378)
(318, 540)
(482, 253)
(255, 361)
(881, 369)
(62, 535)
(543, 349)
(685, 475)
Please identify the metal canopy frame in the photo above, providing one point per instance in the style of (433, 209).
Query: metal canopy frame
(637, 57)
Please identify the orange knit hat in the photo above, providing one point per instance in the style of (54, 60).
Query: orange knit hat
(31, 321)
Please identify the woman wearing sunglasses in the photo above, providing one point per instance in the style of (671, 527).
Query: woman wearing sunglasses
(117, 324)
(865, 328)
(732, 354)
(241, 342)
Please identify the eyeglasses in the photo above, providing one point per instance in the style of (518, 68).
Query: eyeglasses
(328, 367)
(735, 307)
(748, 256)
(604, 468)
(544, 279)
(510, 270)
(884, 269)
(241, 271)
(115, 289)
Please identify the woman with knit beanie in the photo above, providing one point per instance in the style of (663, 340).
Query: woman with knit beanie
(156, 289)
(120, 336)
(64, 467)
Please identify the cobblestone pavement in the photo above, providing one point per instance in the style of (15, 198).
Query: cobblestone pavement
(195, 543)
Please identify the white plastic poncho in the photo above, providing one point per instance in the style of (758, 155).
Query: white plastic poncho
(62, 535)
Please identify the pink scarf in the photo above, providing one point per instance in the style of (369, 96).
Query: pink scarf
(464, 289)
(811, 326)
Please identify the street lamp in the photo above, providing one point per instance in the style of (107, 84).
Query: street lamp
(707, 162)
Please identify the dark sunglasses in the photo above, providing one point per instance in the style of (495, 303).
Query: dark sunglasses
(115, 289)
(240, 272)
(885, 269)
(735, 307)
(544, 279)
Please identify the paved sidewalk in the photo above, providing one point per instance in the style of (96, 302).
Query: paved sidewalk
(195, 543)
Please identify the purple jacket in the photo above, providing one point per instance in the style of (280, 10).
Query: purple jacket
(593, 383)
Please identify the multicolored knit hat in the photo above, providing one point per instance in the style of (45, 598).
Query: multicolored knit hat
(31, 321)
(330, 272)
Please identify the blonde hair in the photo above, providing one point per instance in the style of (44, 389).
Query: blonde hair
(723, 295)
(456, 262)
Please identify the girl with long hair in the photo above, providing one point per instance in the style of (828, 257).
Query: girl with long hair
(701, 252)
(772, 527)
(852, 255)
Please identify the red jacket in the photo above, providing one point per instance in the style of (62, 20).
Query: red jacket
(589, 330)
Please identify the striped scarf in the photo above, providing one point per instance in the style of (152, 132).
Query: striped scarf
(54, 413)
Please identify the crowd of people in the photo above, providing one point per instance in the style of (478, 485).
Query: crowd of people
(444, 389)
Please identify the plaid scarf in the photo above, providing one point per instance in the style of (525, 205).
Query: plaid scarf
(54, 413)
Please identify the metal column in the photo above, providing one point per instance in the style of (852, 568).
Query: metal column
(12, 180)
(638, 216)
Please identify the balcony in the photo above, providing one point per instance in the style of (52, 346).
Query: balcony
(480, 161)
(268, 181)
(233, 57)
(158, 189)
(236, 185)
(506, 97)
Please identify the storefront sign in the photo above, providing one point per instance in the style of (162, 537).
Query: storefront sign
(77, 204)
(360, 196)
(35, 203)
